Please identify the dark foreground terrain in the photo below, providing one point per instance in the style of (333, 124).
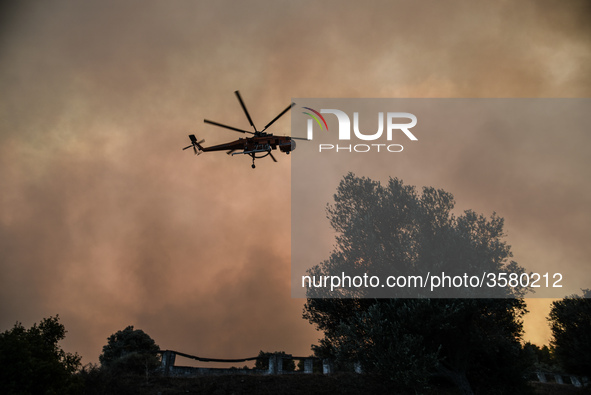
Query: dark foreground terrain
(285, 384)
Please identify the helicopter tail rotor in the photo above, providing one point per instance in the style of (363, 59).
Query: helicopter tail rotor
(197, 148)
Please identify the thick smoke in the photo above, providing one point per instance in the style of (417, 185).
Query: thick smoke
(104, 220)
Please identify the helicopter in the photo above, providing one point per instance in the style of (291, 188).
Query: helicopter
(258, 146)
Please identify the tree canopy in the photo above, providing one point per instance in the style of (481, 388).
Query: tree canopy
(570, 322)
(32, 362)
(393, 230)
(131, 351)
(471, 342)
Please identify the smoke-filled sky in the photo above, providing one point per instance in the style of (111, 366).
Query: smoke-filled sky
(106, 222)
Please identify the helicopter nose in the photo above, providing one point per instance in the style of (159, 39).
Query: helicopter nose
(293, 145)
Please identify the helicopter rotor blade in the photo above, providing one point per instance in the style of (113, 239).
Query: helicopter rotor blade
(299, 138)
(194, 147)
(221, 125)
(272, 157)
(245, 110)
(279, 116)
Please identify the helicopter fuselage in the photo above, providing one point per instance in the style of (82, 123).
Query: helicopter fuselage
(255, 144)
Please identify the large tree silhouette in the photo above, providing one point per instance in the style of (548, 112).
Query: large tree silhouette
(570, 321)
(32, 362)
(391, 228)
(130, 351)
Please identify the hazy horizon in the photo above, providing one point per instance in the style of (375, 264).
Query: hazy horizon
(108, 223)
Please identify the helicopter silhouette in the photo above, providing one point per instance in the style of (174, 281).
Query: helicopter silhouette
(258, 146)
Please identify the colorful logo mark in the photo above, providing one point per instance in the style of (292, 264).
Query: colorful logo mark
(315, 116)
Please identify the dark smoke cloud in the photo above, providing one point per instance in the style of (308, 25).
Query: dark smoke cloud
(105, 221)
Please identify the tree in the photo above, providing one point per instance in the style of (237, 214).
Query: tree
(392, 228)
(130, 351)
(32, 362)
(539, 357)
(570, 322)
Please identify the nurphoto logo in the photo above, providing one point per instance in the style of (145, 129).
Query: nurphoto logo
(393, 125)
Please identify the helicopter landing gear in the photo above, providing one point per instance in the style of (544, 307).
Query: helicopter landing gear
(253, 158)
